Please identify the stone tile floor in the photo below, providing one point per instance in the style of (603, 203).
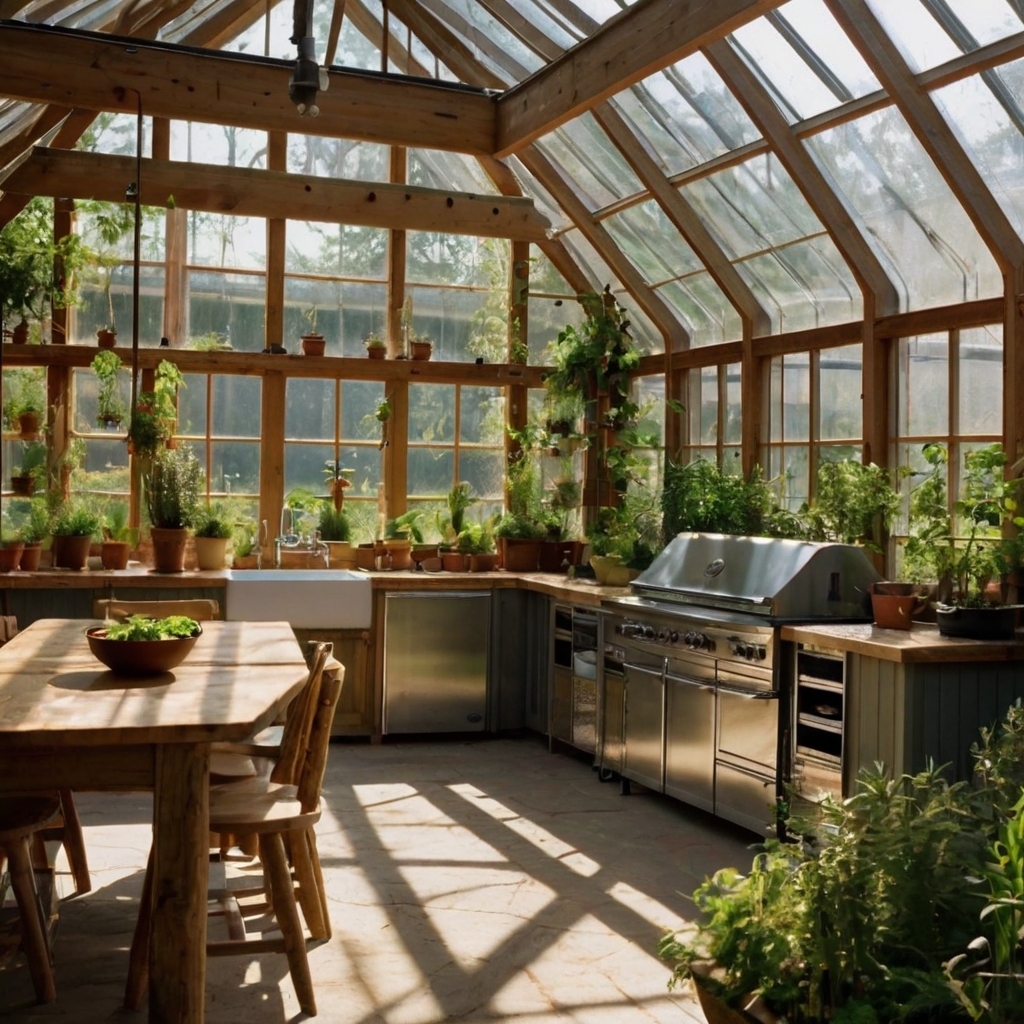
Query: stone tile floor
(483, 880)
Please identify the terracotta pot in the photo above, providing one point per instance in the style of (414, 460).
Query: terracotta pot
(717, 1012)
(211, 552)
(313, 344)
(366, 556)
(30, 557)
(483, 563)
(71, 552)
(423, 552)
(894, 605)
(19, 336)
(894, 589)
(114, 554)
(10, 555)
(246, 562)
(168, 549)
(377, 351)
(398, 553)
(28, 425)
(23, 486)
(420, 350)
(105, 338)
(343, 555)
(518, 555)
(454, 561)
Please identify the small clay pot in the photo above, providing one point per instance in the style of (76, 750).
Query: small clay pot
(420, 350)
(10, 555)
(483, 563)
(105, 338)
(377, 351)
(114, 554)
(454, 561)
(28, 426)
(313, 344)
(23, 485)
(71, 552)
(30, 557)
(19, 336)
(168, 549)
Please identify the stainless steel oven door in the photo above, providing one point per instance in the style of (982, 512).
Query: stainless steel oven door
(644, 720)
(690, 731)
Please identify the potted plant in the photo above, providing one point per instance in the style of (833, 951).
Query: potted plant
(477, 542)
(107, 225)
(106, 336)
(336, 532)
(11, 547)
(376, 348)
(155, 415)
(30, 473)
(399, 534)
(25, 400)
(111, 407)
(245, 555)
(313, 343)
(211, 530)
(420, 347)
(338, 481)
(172, 487)
(118, 537)
(34, 530)
(73, 527)
(558, 550)
(521, 529)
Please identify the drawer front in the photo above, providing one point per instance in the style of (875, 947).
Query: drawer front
(744, 798)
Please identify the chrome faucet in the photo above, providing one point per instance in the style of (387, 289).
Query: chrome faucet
(287, 537)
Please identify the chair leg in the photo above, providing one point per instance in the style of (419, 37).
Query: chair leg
(286, 913)
(309, 896)
(74, 843)
(321, 889)
(138, 957)
(33, 926)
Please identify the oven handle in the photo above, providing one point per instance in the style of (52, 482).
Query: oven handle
(686, 681)
(633, 667)
(735, 691)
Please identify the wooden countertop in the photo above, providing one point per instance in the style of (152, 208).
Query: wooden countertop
(98, 579)
(920, 645)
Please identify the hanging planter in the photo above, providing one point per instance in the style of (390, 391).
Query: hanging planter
(28, 425)
(106, 337)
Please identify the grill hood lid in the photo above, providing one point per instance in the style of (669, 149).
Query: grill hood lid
(778, 579)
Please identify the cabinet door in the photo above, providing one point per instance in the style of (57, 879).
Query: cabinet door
(352, 648)
(645, 703)
(690, 741)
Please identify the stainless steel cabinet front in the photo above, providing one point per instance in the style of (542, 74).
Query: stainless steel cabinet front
(644, 725)
(690, 739)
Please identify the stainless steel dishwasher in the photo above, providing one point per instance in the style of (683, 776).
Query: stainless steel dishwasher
(435, 661)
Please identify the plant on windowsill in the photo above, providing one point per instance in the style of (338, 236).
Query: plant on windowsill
(73, 527)
(211, 531)
(111, 407)
(522, 528)
(244, 555)
(420, 347)
(30, 473)
(854, 504)
(25, 400)
(399, 535)
(476, 541)
(313, 342)
(172, 487)
(34, 529)
(376, 347)
(118, 537)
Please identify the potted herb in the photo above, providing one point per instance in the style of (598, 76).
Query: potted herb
(420, 347)
(477, 542)
(376, 348)
(399, 534)
(245, 555)
(521, 529)
(118, 537)
(30, 473)
(25, 400)
(172, 488)
(34, 530)
(73, 528)
(107, 367)
(11, 547)
(212, 531)
(313, 343)
(336, 532)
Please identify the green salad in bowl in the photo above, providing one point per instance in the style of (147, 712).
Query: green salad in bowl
(141, 645)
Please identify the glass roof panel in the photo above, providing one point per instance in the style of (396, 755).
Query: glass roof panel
(687, 114)
(433, 168)
(915, 32)
(930, 249)
(987, 20)
(337, 158)
(806, 58)
(702, 306)
(591, 161)
(804, 285)
(557, 29)
(988, 133)
(542, 199)
(652, 242)
(544, 276)
(751, 207)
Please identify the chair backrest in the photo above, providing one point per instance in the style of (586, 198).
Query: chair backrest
(8, 628)
(299, 718)
(201, 609)
(314, 765)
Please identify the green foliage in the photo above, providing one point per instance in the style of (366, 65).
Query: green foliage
(24, 391)
(334, 524)
(404, 526)
(106, 365)
(115, 524)
(244, 542)
(212, 521)
(34, 526)
(460, 498)
(172, 488)
(33, 462)
(139, 627)
(476, 539)
(73, 519)
(212, 341)
(853, 504)
(373, 340)
(525, 519)
(108, 224)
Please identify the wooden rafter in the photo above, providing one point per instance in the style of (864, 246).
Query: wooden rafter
(97, 74)
(643, 39)
(681, 214)
(646, 298)
(250, 192)
(373, 31)
(334, 32)
(849, 237)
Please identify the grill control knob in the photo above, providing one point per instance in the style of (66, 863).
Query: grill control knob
(663, 636)
(673, 637)
(750, 652)
(648, 632)
(690, 638)
(761, 653)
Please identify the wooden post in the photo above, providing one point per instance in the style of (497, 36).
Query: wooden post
(396, 266)
(272, 451)
(277, 160)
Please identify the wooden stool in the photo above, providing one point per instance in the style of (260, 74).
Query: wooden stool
(20, 818)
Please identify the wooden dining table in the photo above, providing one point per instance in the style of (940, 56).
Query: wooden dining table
(68, 722)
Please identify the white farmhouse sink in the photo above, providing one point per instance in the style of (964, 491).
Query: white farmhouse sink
(307, 598)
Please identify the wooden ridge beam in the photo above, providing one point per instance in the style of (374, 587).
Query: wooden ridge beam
(88, 71)
(252, 192)
(643, 39)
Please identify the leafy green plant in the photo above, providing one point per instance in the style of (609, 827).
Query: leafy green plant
(212, 521)
(405, 526)
(35, 527)
(33, 463)
(244, 542)
(73, 519)
(372, 340)
(139, 627)
(24, 391)
(460, 499)
(172, 488)
(476, 539)
(107, 365)
(854, 504)
(333, 524)
(525, 518)
(115, 524)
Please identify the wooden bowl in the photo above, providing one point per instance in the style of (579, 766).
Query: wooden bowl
(139, 657)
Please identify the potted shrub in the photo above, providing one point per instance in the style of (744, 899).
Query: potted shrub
(245, 555)
(111, 407)
(336, 532)
(376, 348)
(30, 473)
(34, 530)
(73, 528)
(118, 537)
(25, 400)
(521, 529)
(211, 530)
(313, 343)
(172, 487)
(477, 542)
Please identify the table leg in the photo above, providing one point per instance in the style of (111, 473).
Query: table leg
(181, 869)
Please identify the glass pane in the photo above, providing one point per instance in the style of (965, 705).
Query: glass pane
(734, 405)
(652, 242)
(649, 394)
(221, 144)
(220, 240)
(775, 400)
(304, 467)
(703, 307)
(796, 397)
(482, 415)
(433, 168)
(234, 467)
(430, 471)
(346, 312)
(339, 250)
(236, 406)
(931, 250)
(96, 308)
(484, 471)
(455, 320)
(431, 414)
(703, 405)
(86, 403)
(338, 158)
(436, 258)
(366, 464)
(923, 386)
(988, 21)
(233, 305)
(597, 170)
(105, 469)
(546, 318)
(840, 386)
(917, 34)
(359, 401)
(309, 409)
(981, 381)
(687, 114)
(796, 476)
(192, 406)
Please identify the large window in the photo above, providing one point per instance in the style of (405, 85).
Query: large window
(714, 416)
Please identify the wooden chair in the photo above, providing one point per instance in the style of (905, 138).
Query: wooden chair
(282, 815)
(21, 817)
(200, 609)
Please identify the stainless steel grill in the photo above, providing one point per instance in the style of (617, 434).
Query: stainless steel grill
(693, 677)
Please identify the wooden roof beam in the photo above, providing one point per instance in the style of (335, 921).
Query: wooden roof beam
(250, 192)
(643, 39)
(822, 197)
(100, 74)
